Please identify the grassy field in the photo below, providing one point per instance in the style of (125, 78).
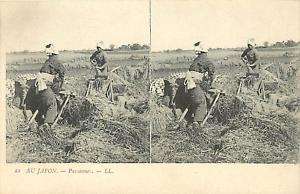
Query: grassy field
(243, 128)
(119, 131)
(102, 131)
(33, 61)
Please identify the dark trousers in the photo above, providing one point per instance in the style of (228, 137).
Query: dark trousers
(197, 105)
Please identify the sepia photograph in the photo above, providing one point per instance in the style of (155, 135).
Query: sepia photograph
(77, 81)
(224, 81)
(150, 96)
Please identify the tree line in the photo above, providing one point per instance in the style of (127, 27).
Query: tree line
(128, 47)
(280, 44)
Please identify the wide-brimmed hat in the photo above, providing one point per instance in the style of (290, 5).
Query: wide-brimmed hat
(51, 49)
(100, 44)
(200, 47)
(251, 42)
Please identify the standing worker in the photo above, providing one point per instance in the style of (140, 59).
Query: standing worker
(250, 57)
(203, 65)
(99, 61)
(54, 67)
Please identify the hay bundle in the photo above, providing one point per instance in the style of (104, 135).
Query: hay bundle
(227, 83)
(10, 90)
(126, 135)
(187, 145)
(77, 110)
(141, 107)
(274, 84)
(230, 106)
(14, 118)
(261, 139)
(97, 147)
(161, 117)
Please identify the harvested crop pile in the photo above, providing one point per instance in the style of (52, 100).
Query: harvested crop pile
(271, 138)
(14, 119)
(161, 116)
(186, 145)
(274, 84)
(107, 132)
(229, 106)
(242, 129)
(10, 90)
(102, 131)
(29, 147)
(226, 83)
(77, 110)
(100, 140)
(265, 139)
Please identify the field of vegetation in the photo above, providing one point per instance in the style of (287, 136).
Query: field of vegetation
(102, 130)
(243, 128)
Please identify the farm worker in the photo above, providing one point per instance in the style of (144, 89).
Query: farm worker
(54, 67)
(202, 64)
(196, 100)
(45, 102)
(99, 61)
(249, 57)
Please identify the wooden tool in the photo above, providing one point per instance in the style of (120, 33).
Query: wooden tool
(114, 69)
(181, 118)
(261, 90)
(61, 110)
(211, 108)
(240, 86)
(32, 118)
(88, 91)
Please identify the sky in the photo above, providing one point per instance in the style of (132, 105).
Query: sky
(175, 24)
(74, 24)
(223, 23)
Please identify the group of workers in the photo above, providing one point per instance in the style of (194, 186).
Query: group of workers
(45, 95)
(193, 94)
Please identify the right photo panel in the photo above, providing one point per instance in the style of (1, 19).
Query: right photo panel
(224, 81)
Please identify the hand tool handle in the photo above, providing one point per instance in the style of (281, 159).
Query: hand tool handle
(114, 69)
(32, 117)
(88, 89)
(61, 110)
(183, 115)
(211, 108)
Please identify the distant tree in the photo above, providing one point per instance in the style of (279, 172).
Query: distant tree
(124, 47)
(266, 44)
(290, 43)
(112, 47)
(278, 44)
(136, 46)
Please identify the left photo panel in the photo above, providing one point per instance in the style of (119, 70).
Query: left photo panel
(77, 81)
